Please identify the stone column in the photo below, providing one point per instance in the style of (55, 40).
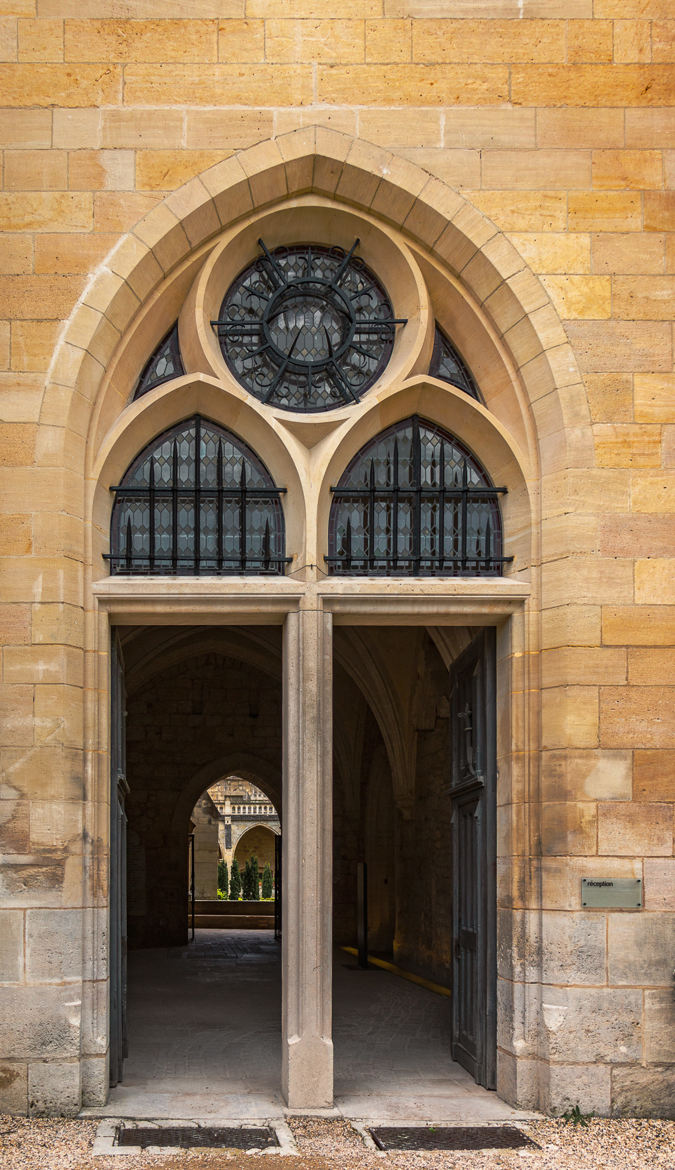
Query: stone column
(307, 1047)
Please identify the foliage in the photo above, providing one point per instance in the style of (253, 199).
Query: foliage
(576, 1117)
(255, 880)
(223, 883)
(235, 882)
(267, 882)
(246, 882)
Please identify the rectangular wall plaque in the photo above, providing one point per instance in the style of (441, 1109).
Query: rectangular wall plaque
(612, 893)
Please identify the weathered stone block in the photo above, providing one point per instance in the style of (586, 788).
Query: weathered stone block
(640, 949)
(214, 85)
(11, 947)
(596, 1024)
(643, 1092)
(13, 1087)
(628, 252)
(53, 945)
(586, 775)
(518, 1017)
(404, 85)
(569, 828)
(40, 1021)
(627, 445)
(573, 948)
(140, 40)
(632, 169)
(659, 1026)
(54, 1087)
(582, 1085)
(388, 40)
(569, 717)
(637, 717)
(590, 85)
(659, 891)
(40, 40)
(659, 213)
(589, 42)
(655, 582)
(580, 296)
(33, 84)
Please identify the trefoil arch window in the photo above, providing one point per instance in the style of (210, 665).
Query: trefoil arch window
(197, 501)
(415, 502)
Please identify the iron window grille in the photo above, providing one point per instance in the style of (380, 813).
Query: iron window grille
(197, 501)
(165, 364)
(306, 328)
(415, 502)
(447, 365)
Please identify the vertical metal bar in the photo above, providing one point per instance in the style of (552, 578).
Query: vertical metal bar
(417, 492)
(348, 543)
(266, 545)
(465, 506)
(219, 505)
(371, 516)
(394, 518)
(441, 506)
(151, 518)
(198, 493)
(488, 545)
(174, 508)
(242, 517)
(129, 545)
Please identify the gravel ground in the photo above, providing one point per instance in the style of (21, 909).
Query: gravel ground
(48, 1144)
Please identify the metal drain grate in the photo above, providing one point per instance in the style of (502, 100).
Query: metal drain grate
(188, 1136)
(450, 1137)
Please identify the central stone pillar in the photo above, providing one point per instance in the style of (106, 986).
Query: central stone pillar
(307, 1046)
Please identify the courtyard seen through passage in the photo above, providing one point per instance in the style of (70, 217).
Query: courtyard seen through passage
(203, 1018)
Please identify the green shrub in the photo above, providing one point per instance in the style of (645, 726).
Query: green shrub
(223, 883)
(255, 880)
(267, 882)
(235, 882)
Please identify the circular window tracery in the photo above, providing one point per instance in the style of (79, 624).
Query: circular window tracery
(306, 328)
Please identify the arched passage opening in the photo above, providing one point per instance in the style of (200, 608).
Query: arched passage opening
(201, 704)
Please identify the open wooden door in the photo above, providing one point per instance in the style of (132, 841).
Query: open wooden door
(118, 864)
(473, 792)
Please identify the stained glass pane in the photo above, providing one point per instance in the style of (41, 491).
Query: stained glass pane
(415, 502)
(165, 363)
(448, 365)
(306, 327)
(197, 501)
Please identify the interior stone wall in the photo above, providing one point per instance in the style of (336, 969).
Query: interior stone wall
(205, 821)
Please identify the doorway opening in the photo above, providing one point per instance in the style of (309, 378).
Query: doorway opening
(196, 712)
(415, 771)
(234, 839)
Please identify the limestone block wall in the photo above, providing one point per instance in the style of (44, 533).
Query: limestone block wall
(205, 820)
(555, 121)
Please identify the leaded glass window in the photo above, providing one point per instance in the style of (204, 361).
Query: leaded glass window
(165, 364)
(197, 501)
(306, 327)
(448, 365)
(415, 502)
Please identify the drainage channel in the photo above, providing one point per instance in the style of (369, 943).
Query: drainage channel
(450, 1137)
(130, 1137)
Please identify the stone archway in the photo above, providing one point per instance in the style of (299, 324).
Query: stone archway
(497, 287)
